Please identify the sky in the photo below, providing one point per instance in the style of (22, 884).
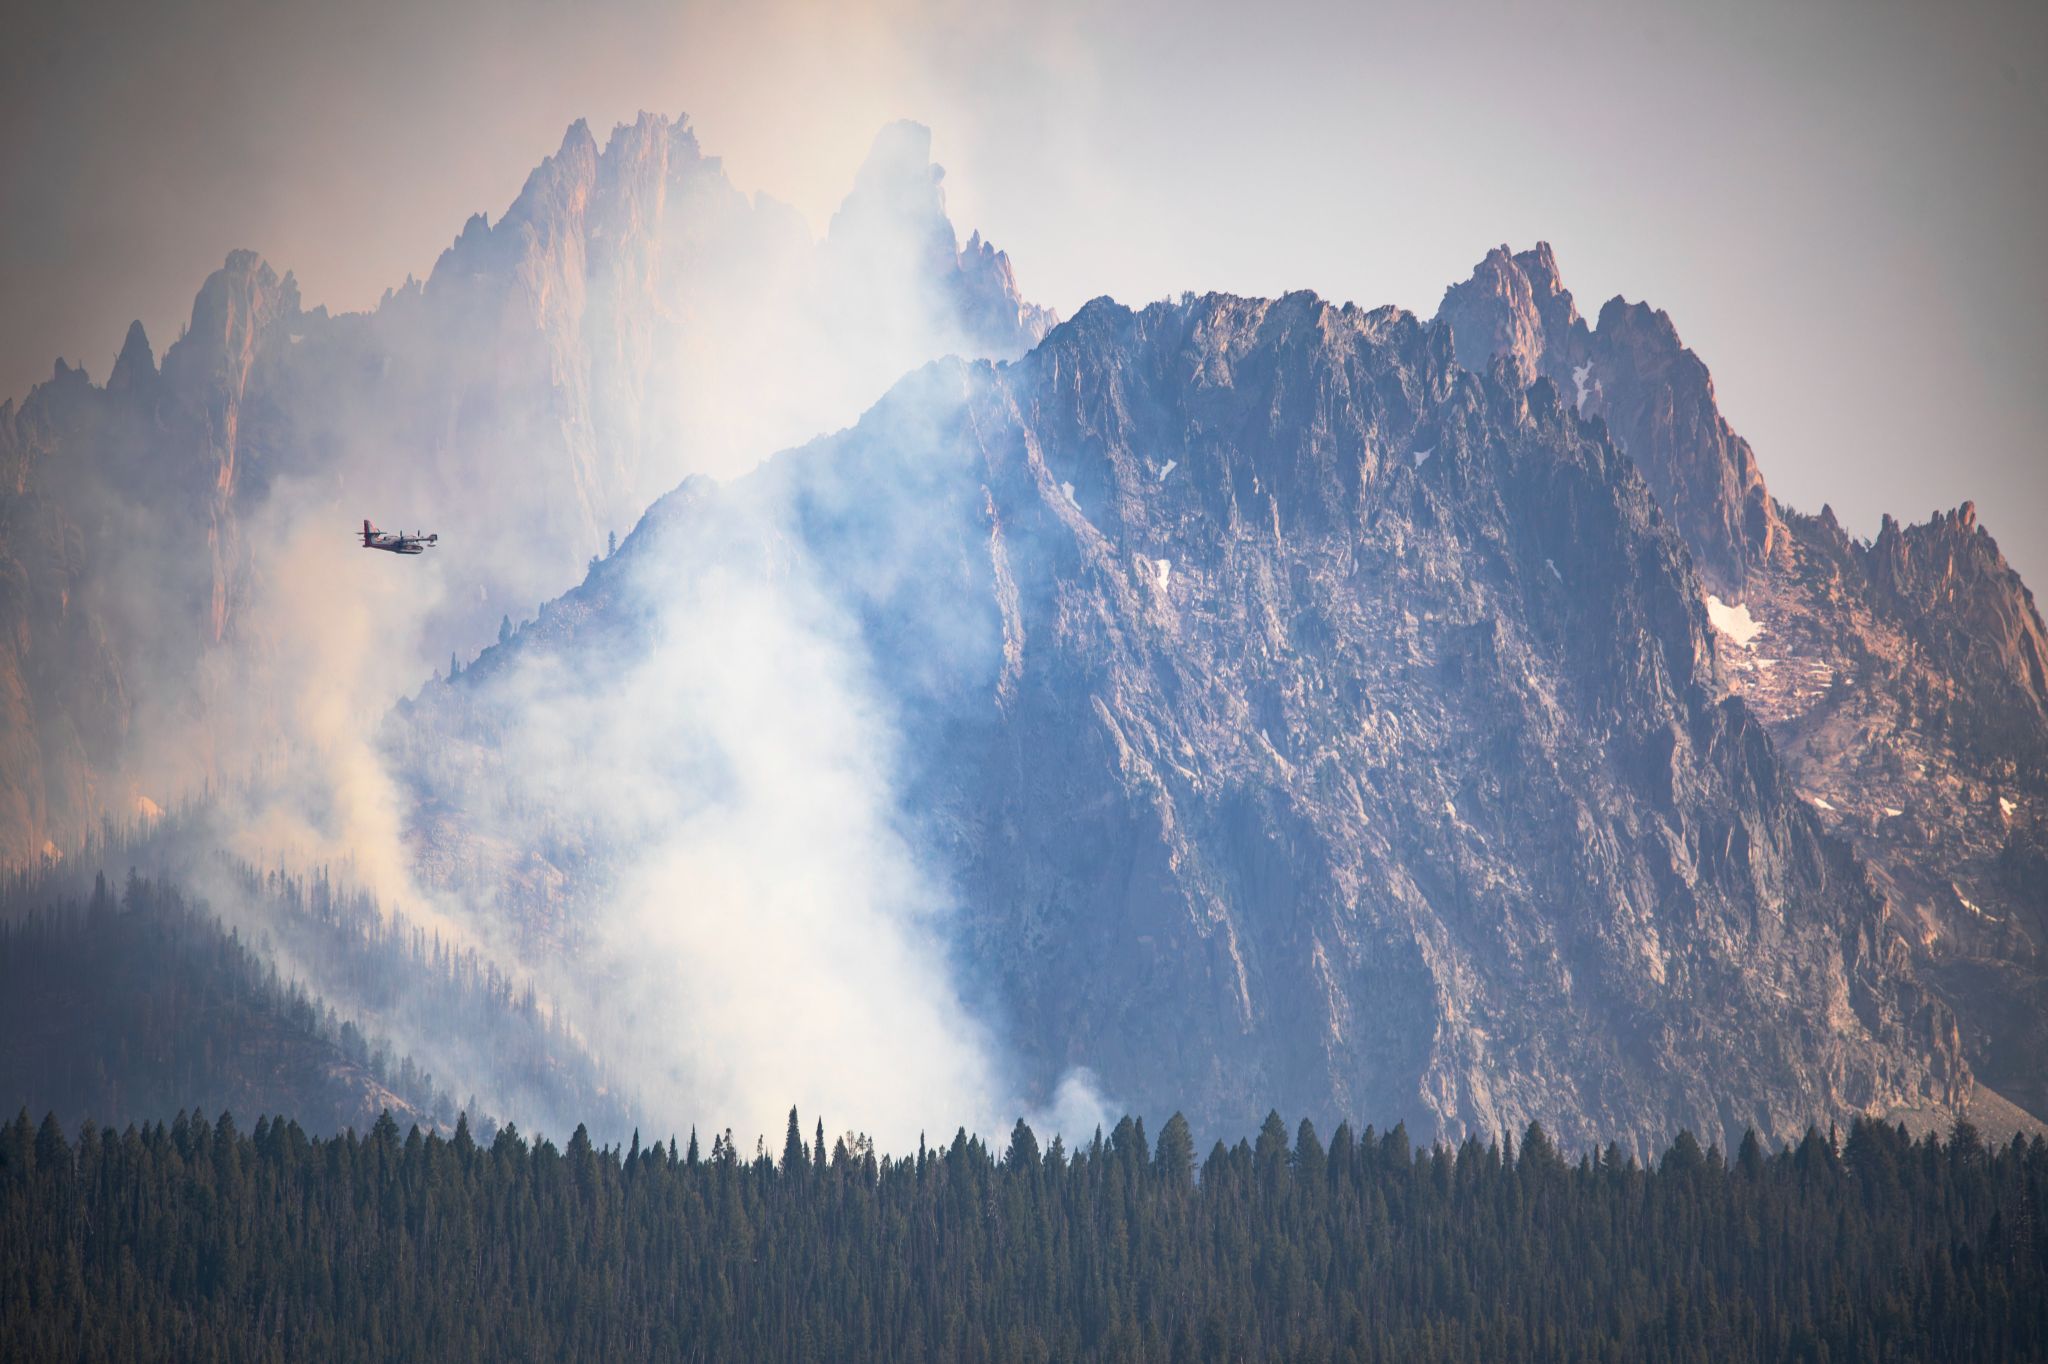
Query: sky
(1840, 205)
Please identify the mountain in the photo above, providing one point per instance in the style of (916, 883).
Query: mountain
(173, 543)
(1275, 703)
(1904, 680)
(1299, 718)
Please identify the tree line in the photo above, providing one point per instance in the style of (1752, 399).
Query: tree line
(202, 1240)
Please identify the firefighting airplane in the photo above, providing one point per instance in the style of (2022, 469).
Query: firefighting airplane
(397, 542)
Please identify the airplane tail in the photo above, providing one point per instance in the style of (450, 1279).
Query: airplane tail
(368, 531)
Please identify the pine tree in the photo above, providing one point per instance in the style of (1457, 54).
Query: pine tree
(1175, 1159)
(1023, 1155)
(794, 1157)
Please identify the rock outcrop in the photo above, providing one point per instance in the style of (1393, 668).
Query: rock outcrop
(1904, 680)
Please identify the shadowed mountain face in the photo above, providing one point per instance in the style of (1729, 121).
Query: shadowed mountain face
(1904, 680)
(631, 317)
(1298, 719)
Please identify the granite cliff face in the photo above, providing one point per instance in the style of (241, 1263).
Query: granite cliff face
(1299, 719)
(556, 371)
(1904, 680)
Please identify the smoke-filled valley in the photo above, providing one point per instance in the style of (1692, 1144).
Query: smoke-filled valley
(839, 681)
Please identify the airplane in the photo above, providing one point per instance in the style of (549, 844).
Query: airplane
(397, 542)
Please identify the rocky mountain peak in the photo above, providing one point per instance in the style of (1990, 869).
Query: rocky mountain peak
(1656, 396)
(135, 366)
(649, 130)
(896, 199)
(1515, 304)
(895, 220)
(1494, 313)
(233, 316)
(1967, 607)
(899, 170)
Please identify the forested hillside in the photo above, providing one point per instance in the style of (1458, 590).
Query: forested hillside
(201, 1240)
(131, 1006)
(138, 1005)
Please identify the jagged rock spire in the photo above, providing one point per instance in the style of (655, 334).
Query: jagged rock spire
(135, 366)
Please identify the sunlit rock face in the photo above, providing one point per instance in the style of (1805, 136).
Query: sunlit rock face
(1297, 718)
(1904, 680)
(631, 318)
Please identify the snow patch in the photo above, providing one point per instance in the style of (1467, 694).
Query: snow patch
(1068, 489)
(1165, 567)
(1892, 812)
(1579, 375)
(1820, 803)
(1171, 465)
(1422, 456)
(1733, 621)
(1551, 564)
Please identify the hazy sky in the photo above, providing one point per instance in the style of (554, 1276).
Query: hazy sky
(1841, 205)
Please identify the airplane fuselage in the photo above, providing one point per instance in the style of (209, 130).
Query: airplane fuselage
(396, 542)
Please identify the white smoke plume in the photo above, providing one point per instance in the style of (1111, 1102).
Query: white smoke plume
(749, 925)
(767, 935)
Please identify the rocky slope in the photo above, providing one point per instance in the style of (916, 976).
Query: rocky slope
(1904, 680)
(1299, 719)
(557, 370)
